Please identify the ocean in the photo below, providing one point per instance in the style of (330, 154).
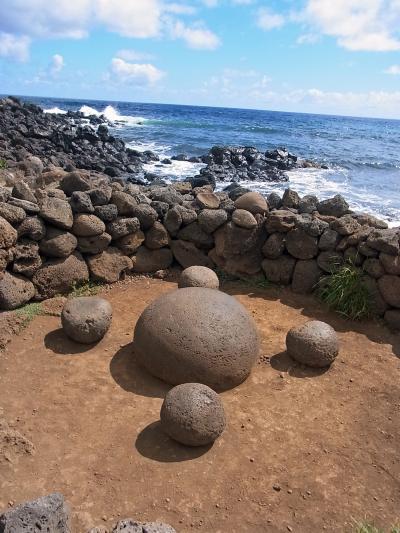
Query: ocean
(363, 155)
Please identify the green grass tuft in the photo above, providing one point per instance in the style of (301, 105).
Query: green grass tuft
(367, 527)
(346, 292)
(28, 312)
(3, 164)
(87, 288)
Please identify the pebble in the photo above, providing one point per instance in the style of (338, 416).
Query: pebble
(276, 487)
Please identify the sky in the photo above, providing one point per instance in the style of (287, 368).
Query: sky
(319, 56)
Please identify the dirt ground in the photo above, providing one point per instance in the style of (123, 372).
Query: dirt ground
(304, 451)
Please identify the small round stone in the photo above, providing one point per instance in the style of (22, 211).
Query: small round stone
(313, 344)
(193, 414)
(199, 276)
(86, 319)
(197, 335)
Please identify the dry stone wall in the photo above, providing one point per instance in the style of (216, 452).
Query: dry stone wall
(75, 226)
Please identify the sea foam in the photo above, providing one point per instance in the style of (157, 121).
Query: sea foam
(112, 115)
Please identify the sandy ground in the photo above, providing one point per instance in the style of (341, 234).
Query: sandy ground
(304, 451)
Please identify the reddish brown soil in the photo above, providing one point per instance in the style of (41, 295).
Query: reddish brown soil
(304, 451)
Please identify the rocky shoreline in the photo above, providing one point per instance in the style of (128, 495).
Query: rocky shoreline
(61, 226)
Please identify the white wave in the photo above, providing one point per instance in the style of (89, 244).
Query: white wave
(112, 114)
(55, 110)
(141, 146)
(177, 170)
(325, 184)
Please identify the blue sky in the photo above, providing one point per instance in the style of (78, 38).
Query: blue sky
(323, 56)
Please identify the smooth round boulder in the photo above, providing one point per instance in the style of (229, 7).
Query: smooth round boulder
(197, 335)
(198, 276)
(313, 344)
(193, 414)
(86, 319)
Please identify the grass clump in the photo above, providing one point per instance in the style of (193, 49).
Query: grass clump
(87, 288)
(346, 292)
(3, 164)
(28, 312)
(367, 527)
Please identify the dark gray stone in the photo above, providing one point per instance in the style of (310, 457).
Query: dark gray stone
(193, 414)
(86, 319)
(47, 514)
(198, 276)
(197, 335)
(313, 344)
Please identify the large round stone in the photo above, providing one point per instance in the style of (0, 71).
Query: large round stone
(197, 335)
(313, 344)
(193, 414)
(199, 276)
(86, 319)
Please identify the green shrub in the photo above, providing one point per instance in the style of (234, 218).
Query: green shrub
(87, 288)
(366, 527)
(346, 292)
(28, 312)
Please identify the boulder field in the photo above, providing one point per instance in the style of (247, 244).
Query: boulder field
(84, 225)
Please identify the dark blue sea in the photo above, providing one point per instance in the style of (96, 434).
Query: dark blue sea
(363, 155)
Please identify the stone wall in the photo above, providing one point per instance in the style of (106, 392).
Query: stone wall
(74, 226)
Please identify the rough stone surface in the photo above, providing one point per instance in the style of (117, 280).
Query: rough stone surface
(208, 200)
(128, 525)
(193, 233)
(86, 319)
(122, 227)
(187, 254)
(47, 514)
(26, 260)
(335, 207)
(15, 291)
(198, 276)
(211, 219)
(87, 225)
(58, 276)
(106, 213)
(391, 263)
(389, 287)
(94, 245)
(193, 414)
(152, 260)
(8, 235)
(58, 243)
(301, 245)
(274, 246)
(329, 240)
(386, 241)
(32, 227)
(306, 275)
(253, 202)
(108, 266)
(130, 243)
(11, 213)
(329, 261)
(373, 267)
(156, 237)
(279, 270)
(313, 344)
(346, 225)
(57, 212)
(282, 221)
(392, 317)
(244, 219)
(197, 335)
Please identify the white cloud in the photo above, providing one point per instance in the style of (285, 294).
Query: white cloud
(57, 64)
(308, 38)
(21, 21)
(14, 47)
(133, 55)
(138, 18)
(196, 37)
(359, 25)
(135, 73)
(268, 20)
(394, 70)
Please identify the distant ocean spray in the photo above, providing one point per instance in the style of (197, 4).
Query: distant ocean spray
(363, 155)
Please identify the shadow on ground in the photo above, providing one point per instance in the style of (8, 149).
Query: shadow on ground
(284, 363)
(60, 344)
(127, 373)
(154, 444)
(312, 308)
